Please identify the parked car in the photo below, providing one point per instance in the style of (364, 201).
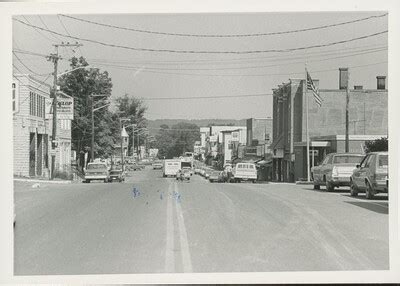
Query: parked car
(157, 165)
(97, 171)
(371, 175)
(335, 170)
(117, 175)
(135, 167)
(216, 176)
(183, 175)
(244, 172)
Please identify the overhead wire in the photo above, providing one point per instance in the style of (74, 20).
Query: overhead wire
(225, 35)
(228, 75)
(207, 51)
(29, 69)
(248, 67)
(65, 29)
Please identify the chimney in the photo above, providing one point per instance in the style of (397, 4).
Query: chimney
(381, 82)
(358, 87)
(343, 78)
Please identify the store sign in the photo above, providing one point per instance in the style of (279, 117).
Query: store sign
(65, 108)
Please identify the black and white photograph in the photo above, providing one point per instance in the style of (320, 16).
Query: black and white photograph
(200, 142)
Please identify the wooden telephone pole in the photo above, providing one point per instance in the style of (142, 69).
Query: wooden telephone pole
(54, 58)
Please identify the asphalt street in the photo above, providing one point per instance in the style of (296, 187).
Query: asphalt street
(150, 224)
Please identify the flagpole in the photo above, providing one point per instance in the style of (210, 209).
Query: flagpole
(307, 133)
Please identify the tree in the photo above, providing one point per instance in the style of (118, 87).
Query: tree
(133, 109)
(377, 145)
(80, 84)
(180, 138)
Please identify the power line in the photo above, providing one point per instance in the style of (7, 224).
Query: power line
(224, 35)
(258, 59)
(65, 29)
(44, 24)
(230, 75)
(205, 52)
(246, 67)
(28, 67)
(36, 29)
(206, 97)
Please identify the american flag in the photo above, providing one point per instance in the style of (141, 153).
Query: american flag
(311, 86)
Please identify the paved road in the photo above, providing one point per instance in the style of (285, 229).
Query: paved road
(169, 226)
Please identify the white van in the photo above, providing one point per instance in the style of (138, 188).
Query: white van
(244, 172)
(171, 167)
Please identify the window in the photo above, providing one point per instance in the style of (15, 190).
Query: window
(364, 161)
(15, 97)
(251, 166)
(343, 159)
(326, 160)
(383, 161)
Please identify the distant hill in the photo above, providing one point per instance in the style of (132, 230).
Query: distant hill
(154, 125)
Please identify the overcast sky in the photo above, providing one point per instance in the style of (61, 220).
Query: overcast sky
(162, 74)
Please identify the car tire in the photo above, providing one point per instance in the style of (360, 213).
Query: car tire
(87, 181)
(106, 181)
(317, 187)
(254, 181)
(329, 187)
(369, 193)
(353, 189)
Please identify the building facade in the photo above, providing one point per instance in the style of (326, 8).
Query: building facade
(31, 130)
(367, 116)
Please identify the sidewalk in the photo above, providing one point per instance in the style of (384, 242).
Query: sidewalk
(55, 181)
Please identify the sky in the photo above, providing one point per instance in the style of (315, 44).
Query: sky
(152, 75)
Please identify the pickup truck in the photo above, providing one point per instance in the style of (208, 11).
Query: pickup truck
(335, 170)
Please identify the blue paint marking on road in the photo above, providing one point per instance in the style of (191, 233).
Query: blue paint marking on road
(177, 196)
(135, 192)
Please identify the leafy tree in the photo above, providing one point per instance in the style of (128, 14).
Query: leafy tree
(133, 109)
(377, 145)
(174, 141)
(80, 84)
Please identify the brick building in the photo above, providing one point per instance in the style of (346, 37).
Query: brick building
(367, 116)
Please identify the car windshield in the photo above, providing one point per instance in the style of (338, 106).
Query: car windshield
(383, 161)
(340, 159)
(96, 167)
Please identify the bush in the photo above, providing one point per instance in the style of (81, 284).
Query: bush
(377, 145)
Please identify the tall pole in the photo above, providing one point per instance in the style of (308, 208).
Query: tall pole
(92, 148)
(138, 145)
(54, 58)
(347, 114)
(307, 133)
(122, 153)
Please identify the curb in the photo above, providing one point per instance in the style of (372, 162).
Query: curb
(304, 183)
(43, 181)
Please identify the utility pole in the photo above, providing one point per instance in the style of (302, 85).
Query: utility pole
(92, 96)
(122, 146)
(347, 113)
(54, 58)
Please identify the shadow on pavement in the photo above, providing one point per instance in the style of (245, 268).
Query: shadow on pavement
(378, 197)
(372, 206)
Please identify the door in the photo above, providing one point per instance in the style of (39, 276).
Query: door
(360, 173)
(32, 154)
(39, 155)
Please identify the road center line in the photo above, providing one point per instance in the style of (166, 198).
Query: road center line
(169, 248)
(186, 259)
